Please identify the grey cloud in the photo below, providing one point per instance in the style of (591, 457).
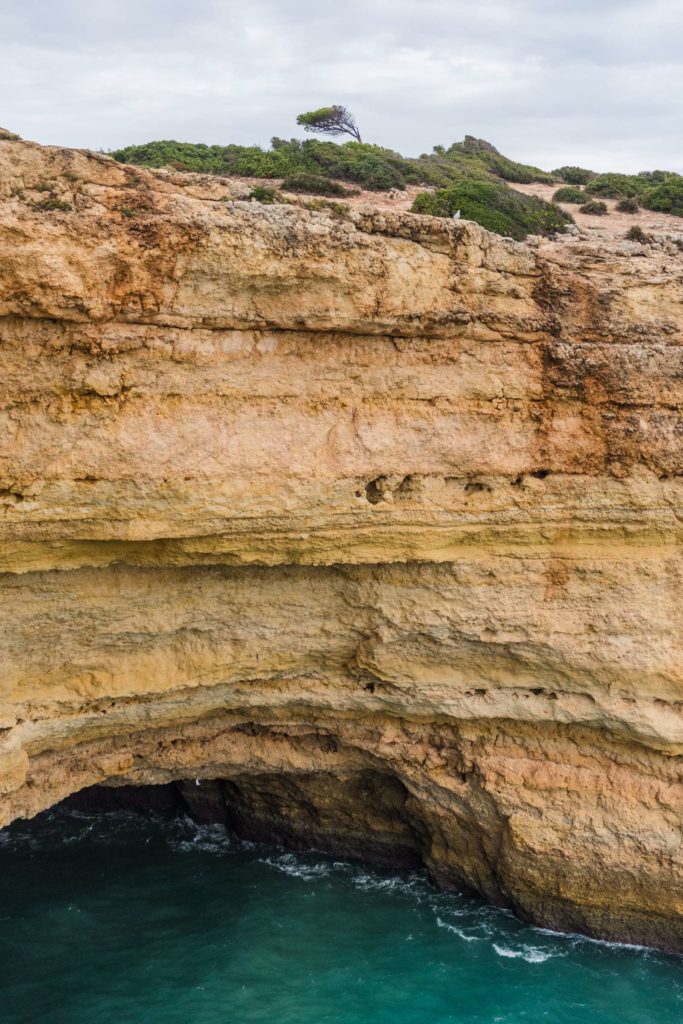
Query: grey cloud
(548, 81)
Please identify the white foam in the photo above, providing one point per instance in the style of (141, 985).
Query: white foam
(412, 885)
(532, 954)
(457, 931)
(290, 865)
(206, 838)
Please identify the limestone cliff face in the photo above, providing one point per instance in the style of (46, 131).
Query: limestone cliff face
(372, 517)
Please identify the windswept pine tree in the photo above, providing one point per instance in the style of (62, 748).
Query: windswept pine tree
(335, 120)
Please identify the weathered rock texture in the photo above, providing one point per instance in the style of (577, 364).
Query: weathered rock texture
(373, 517)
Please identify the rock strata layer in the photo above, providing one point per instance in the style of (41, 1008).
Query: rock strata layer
(375, 518)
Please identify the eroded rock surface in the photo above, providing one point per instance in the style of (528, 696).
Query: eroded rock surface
(372, 517)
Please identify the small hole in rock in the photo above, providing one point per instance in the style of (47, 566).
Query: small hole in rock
(373, 490)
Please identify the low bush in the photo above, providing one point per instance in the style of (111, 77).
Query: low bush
(666, 197)
(370, 166)
(574, 175)
(490, 159)
(52, 203)
(569, 194)
(314, 185)
(616, 186)
(628, 205)
(657, 177)
(496, 207)
(636, 234)
(262, 194)
(594, 207)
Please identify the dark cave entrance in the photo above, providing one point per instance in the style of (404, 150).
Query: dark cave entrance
(364, 815)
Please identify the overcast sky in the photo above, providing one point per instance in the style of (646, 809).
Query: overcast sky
(593, 82)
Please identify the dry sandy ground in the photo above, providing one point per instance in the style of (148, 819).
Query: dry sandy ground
(613, 224)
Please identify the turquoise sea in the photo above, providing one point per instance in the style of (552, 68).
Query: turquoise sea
(122, 919)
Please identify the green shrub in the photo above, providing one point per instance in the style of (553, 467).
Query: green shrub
(628, 205)
(569, 194)
(496, 207)
(636, 234)
(657, 177)
(263, 195)
(369, 166)
(52, 203)
(372, 167)
(314, 185)
(524, 174)
(595, 207)
(616, 186)
(666, 197)
(490, 159)
(340, 211)
(574, 175)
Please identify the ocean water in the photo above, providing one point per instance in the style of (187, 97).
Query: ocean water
(121, 919)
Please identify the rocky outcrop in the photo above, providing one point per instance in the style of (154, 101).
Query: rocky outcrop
(374, 518)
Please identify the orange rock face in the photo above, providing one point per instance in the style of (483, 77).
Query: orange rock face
(374, 517)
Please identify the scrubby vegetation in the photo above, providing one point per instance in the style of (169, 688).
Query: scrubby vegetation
(654, 190)
(316, 167)
(370, 166)
(494, 206)
(628, 205)
(494, 162)
(262, 194)
(636, 234)
(594, 206)
(569, 194)
(574, 175)
(471, 175)
(666, 197)
(616, 186)
(52, 203)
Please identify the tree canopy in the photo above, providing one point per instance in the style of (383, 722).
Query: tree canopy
(335, 120)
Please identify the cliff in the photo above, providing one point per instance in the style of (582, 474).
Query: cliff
(375, 518)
